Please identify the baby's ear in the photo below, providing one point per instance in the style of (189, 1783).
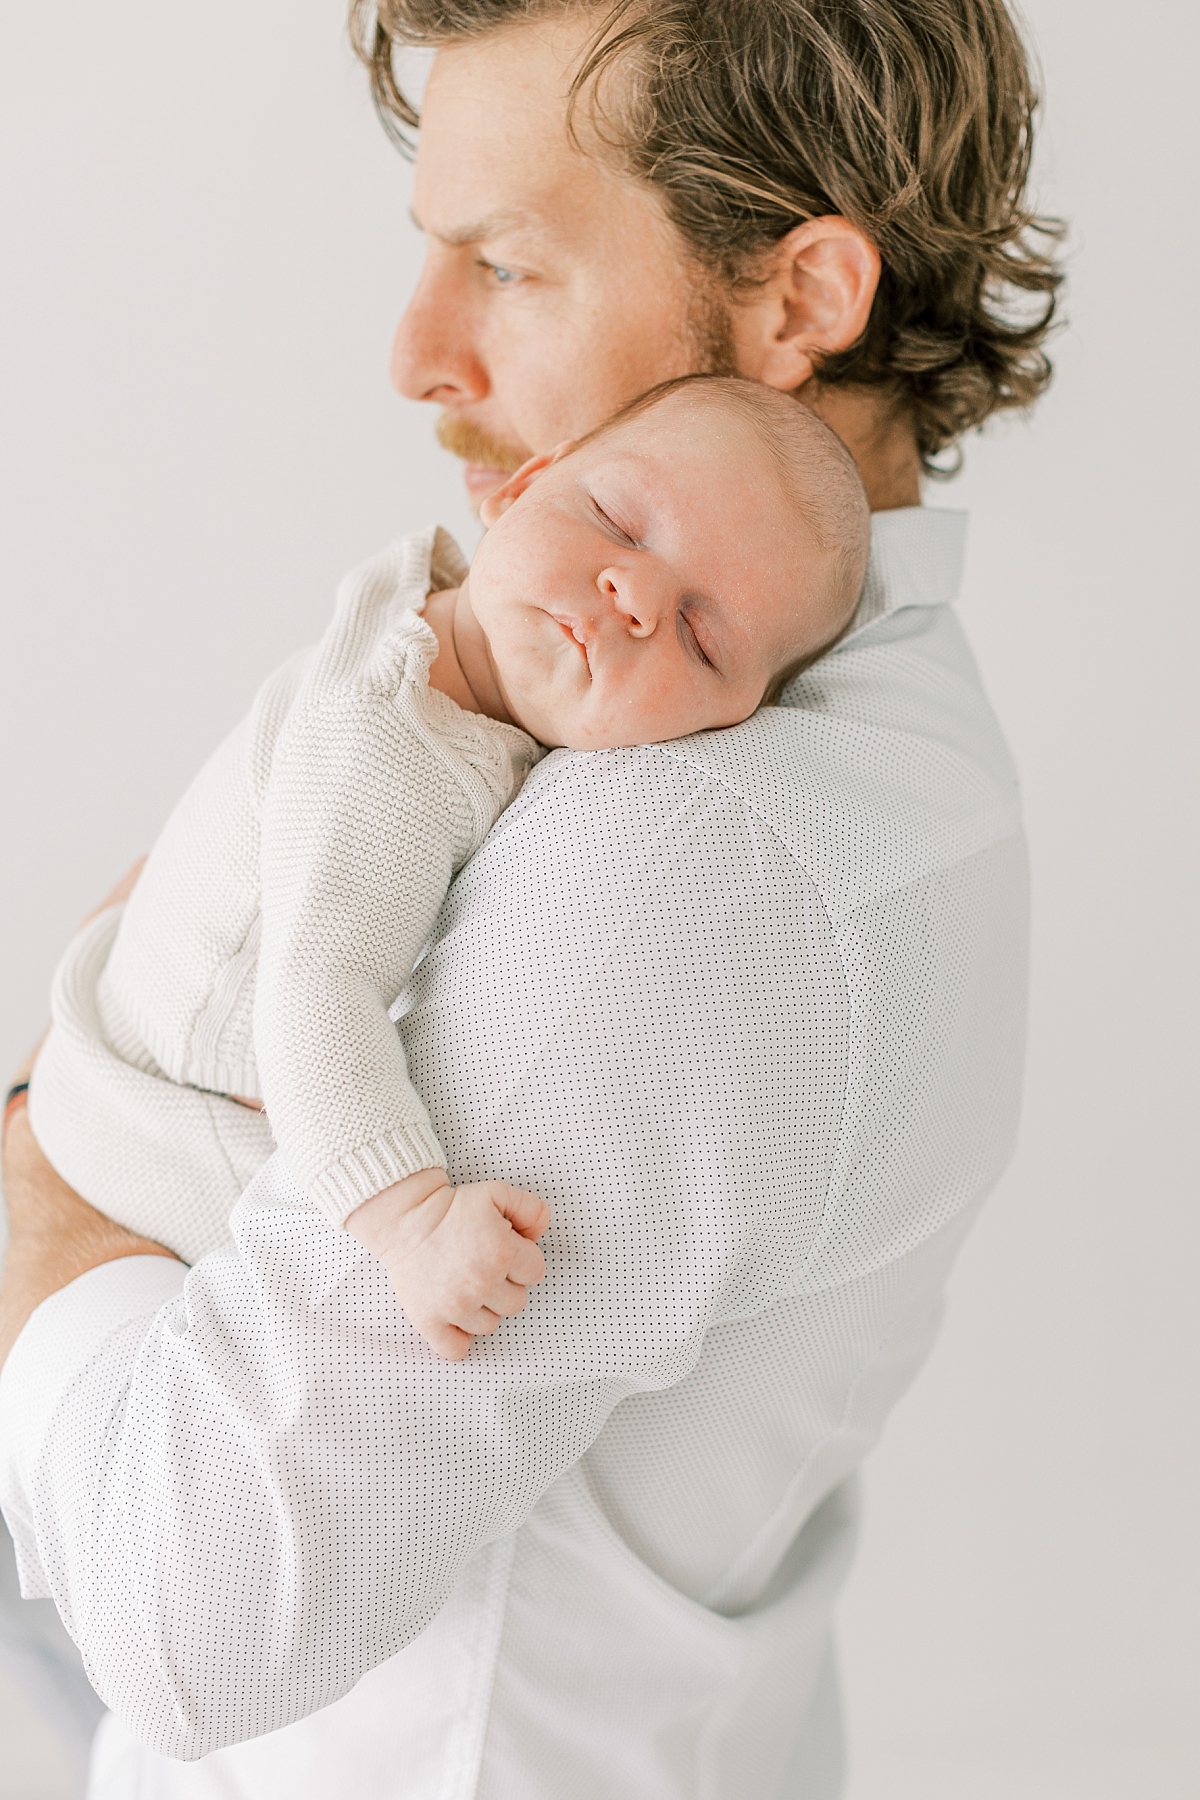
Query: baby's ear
(504, 497)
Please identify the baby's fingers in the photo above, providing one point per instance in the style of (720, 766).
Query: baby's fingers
(528, 1265)
(524, 1212)
(484, 1320)
(446, 1339)
(508, 1300)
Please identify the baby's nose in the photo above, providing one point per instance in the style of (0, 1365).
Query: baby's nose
(634, 598)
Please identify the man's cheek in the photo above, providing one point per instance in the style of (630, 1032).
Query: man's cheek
(537, 394)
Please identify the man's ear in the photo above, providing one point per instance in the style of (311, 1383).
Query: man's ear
(816, 299)
(502, 498)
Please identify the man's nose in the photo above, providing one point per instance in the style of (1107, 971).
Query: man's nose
(636, 597)
(433, 352)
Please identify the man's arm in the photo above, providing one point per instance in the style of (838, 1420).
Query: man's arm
(245, 1498)
(245, 1492)
(53, 1235)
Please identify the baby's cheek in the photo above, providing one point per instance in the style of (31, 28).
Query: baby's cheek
(542, 696)
(658, 705)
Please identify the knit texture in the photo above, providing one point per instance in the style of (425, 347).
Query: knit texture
(280, 913)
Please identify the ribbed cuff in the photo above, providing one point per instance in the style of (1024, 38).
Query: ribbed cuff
(355, 1177)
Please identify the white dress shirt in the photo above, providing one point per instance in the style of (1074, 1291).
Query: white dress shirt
(747, 1010)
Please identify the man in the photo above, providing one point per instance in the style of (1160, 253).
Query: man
(746, 1010)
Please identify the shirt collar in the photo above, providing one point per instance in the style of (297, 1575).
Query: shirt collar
(916, 560)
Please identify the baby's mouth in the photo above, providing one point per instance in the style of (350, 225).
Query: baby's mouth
(572, 631)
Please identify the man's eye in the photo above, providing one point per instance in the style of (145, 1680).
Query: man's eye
(502, 275)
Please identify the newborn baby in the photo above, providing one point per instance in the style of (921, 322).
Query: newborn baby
(664, 575)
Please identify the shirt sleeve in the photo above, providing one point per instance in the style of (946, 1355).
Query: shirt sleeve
(362, 827)
(377, 793)
(244, 1497)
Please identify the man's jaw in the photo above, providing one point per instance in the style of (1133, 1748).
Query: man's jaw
(489, 460)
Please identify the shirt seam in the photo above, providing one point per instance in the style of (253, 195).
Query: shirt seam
(715, 779)
(837, 935)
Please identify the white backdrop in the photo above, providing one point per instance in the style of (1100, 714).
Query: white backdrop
(205, 245)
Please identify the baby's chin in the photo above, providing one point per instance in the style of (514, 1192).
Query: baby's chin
(585, 719)
(576, 736)
(573, 734)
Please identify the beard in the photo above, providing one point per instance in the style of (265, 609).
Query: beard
(711, 352)
(463, 438)
(710, 326)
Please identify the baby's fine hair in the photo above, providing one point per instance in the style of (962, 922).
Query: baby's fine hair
(817, 472)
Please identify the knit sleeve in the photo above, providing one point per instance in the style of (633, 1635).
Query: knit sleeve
(375, 798)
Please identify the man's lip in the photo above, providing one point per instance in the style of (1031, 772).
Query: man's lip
(482, 480)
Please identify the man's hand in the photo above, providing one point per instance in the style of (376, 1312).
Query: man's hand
(460, 1259)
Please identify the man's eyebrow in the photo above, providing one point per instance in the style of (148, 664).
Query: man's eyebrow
(476, 231)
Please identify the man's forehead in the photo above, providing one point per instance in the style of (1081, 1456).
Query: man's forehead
(495, 156)
(471, 190)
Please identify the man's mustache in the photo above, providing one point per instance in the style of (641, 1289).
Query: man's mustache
(464, 438)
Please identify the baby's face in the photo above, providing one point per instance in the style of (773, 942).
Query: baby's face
(650, 584)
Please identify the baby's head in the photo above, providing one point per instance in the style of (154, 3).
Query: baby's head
(665, 573)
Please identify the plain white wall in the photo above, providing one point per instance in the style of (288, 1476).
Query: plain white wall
(206, 246)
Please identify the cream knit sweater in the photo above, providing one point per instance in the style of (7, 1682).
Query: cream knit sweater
(279, 915)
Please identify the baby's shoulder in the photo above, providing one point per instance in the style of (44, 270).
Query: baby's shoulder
(477, 747)
(377, 639)
(377, 636)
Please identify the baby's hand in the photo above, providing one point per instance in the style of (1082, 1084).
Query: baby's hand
(460, 1259)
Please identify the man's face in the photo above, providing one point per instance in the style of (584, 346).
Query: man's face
(553, 291)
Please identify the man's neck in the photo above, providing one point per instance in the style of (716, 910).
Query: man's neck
(880, 439)
(463, 670)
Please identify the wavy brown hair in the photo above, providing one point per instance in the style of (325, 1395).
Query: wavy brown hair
(911, 118)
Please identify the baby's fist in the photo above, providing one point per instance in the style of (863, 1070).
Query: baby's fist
(460, 1259)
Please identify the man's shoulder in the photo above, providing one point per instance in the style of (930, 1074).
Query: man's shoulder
(885, 767)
